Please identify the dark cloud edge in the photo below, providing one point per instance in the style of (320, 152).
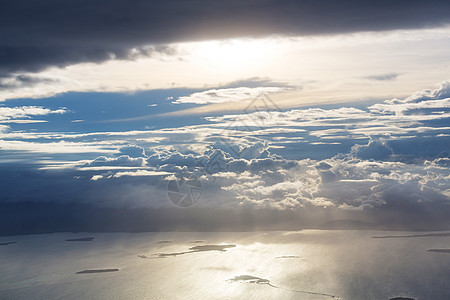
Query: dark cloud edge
(35, 36)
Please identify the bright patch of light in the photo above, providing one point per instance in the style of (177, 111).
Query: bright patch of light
(232, 54)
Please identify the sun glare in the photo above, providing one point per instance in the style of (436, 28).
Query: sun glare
(234, 53)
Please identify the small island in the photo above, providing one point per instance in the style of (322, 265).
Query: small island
(439, 250)
(249, 279)
(444, 234)
(85, 239)
(7, 243)
(91, 271)
(258, 280)
(195, 249)
(288, 256)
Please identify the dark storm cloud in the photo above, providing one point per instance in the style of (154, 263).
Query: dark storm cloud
(35, 35)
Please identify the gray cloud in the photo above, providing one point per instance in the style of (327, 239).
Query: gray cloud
(133, 151)
(383, 77)
(34, 35)
(378, 150)
(255, 82)
(16, 81)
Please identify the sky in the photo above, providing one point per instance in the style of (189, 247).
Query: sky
(204, 115)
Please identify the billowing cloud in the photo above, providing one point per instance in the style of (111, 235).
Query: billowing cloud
(377, 150)
(441, 93)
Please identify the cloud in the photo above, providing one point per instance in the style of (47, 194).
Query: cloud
(228, 95)
(413, 131)
(123, 160)
(139, 173)
(444, 162)
(58, 34)
(61, 147)
(383, 77)
(377, 150)
(344, 184)
(254, 82)
(132, 151)
(348, 184)
(442, 92)
(26, 112)
(20, 81)
(36, 57)
(408, 128)
(364, 179)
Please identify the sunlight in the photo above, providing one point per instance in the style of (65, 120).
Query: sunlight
(236, 53)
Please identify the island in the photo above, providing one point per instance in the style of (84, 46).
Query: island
(91, 271)
(439, 250)
(85, 239)
(7, 243)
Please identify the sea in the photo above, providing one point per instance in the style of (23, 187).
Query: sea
(307, 264)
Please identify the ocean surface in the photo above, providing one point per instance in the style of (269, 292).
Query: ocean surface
(309, 264)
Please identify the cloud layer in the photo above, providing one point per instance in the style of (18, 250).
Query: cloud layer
(386, 163)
